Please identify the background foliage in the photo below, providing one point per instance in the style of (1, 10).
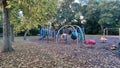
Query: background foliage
(99, 14)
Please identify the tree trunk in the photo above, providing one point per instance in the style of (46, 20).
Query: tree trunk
(102, 27)
(12, 33)
(25, 34)
(7, 45)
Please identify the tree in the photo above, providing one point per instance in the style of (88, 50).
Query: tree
(92, 13)
(44, 11)
(103, 13)
(6, 28)
(67, 11)
(1, 22)
(109, 13)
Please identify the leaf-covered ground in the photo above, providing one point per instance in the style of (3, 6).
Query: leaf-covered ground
(40, 54)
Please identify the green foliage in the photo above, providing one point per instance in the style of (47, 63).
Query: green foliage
(102, 12)
(36, 12)
(0, 21)
(67, 11)
(109, 12)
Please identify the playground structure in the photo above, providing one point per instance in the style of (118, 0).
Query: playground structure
(47, 33)
(76, 33)
(106, 32)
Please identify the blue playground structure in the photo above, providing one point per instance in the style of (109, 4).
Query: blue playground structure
(77, 33)
(46, 32)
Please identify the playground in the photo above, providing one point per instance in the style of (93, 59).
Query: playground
(59, 34)
(40, 54)
(68, 47)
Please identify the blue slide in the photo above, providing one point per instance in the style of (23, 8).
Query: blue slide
(42, 37)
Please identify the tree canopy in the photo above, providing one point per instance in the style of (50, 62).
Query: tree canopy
(67, 12)
(35, 13)
(104, 13)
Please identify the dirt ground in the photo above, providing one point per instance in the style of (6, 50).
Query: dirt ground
(49, 54)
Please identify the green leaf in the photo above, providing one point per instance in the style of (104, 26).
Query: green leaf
(9, 6)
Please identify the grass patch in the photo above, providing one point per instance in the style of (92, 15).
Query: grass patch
(92, 36)
(20, 38)
(1, 41)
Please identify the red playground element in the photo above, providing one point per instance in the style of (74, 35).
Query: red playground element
(91, 43)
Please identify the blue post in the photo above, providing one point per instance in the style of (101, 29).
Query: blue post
(47, 31)
(83, 32)
(41, 32)
(66, 39)
(54, 34)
